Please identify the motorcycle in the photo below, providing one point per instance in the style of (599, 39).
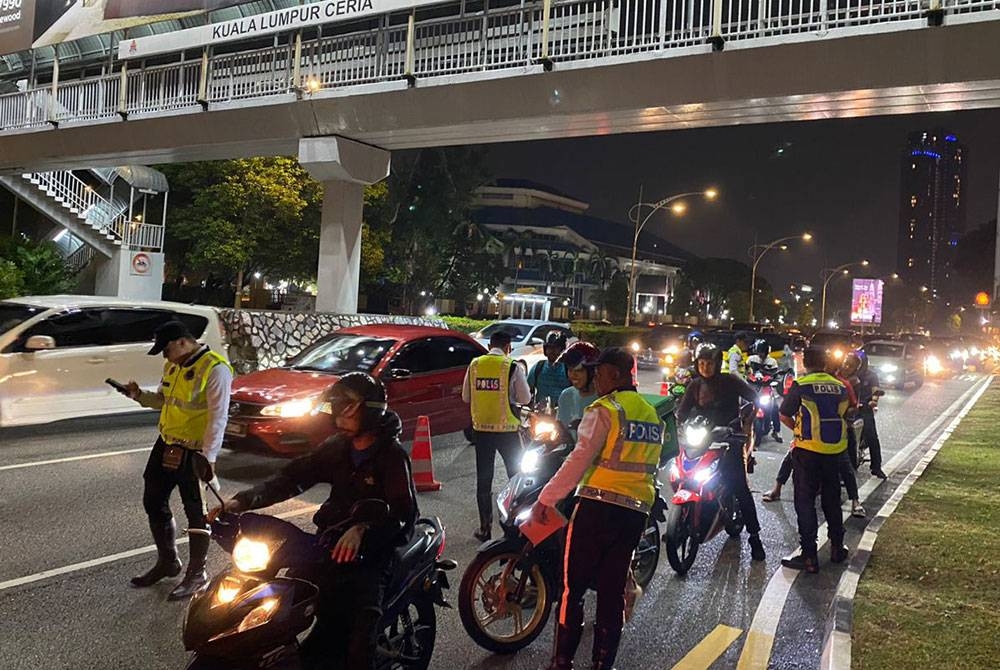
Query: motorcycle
(254, 614)
(768, 384)
(508, 589)
(702, 504)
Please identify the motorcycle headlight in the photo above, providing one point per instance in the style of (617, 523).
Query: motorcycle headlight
(888, 367)
(933, 365)
(251, 555)
(544, 430)
(290, 409)
(765, 400)
(703, 476)
(673, 349)
(259, 615)
(695, 435)
(530, 460)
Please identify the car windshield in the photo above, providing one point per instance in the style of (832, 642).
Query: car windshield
(341, 354)
(12, 315)
(518, 331)
(884, 349)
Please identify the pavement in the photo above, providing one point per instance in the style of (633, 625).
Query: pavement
(74, 532)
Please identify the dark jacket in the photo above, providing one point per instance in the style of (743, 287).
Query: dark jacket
(716, 398)
(383, 473)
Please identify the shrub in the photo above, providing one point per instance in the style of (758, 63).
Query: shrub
(465, 324)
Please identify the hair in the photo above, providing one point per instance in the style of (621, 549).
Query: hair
(742, 336)
(814, 358)
(500, 339)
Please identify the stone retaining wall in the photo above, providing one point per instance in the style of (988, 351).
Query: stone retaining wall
(261, 339)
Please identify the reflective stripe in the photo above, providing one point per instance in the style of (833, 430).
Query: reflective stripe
(194, 405)
(629, 467)
(175, 441)
(613, 498)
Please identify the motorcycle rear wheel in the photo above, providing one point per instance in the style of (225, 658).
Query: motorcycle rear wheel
(681, 544)
(406, 641)
(480, 606)
(647, 555)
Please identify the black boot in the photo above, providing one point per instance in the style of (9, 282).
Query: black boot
(564, 648)
(167, 563)
(802, 561)
(196, 578)
(606, 647)
(756, 548)
(485, 531)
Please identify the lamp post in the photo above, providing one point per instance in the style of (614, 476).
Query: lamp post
(756, 256)
(634, 216)
(826, 275)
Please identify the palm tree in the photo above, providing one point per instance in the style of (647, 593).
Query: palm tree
(602, 268)
(516, 243)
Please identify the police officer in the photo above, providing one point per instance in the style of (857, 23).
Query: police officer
(614, 462)
(814, 409)
(734, 357)
(493, 385)
(193, 400)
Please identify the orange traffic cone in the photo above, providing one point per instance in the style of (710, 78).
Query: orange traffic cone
(423, 465)
(664, 388)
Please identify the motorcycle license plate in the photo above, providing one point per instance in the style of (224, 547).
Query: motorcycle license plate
(236, 429)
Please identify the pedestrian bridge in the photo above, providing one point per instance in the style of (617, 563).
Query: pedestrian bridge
(502, 71)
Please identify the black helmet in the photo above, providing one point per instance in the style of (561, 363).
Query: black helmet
(760, 348)
(709, 352)
(359, 387)
(555, 339)
(579, 353)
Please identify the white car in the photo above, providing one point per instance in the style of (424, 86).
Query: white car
(56, 352)
(527, 337)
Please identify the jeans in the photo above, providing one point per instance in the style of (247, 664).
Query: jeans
(734, 469)
(487, 446)
(870, 435)
(815, 474)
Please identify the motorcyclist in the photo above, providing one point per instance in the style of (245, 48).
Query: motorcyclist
(868, 392)
(686, 357)
(577, 397)
(716, 396)
(761, 362)
(362, 460)
(548, 378)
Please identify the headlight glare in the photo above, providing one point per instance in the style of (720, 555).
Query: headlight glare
(530, 460)
(888, 367)
(251, 555)
(695, 435)
(290, 409)
(703, 476)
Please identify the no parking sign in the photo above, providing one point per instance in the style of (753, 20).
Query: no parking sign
(142, 265)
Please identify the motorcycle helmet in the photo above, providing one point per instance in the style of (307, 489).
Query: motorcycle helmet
(709, 352)
(760, 348)
(555, 339)
(694, 339)
(579, 354)
(359, 387)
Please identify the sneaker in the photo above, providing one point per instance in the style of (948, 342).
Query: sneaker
(756, 548)
(772, 496)
(800, 561)
(857, 510)
(838, 553)
(777, 438)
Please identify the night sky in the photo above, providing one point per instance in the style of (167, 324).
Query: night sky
(837, 179)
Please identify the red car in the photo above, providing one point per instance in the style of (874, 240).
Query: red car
(422, 369)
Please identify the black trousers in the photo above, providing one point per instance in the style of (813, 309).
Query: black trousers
(870, 435)
(600, 541)
(734, 469)
(817, 474)
(487, 446)
(846, 473)
(159, 484)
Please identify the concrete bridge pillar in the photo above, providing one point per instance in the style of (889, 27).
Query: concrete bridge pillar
(344, 167)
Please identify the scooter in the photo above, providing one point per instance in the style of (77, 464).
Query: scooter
(767, 383)
(702, 505)
(255, 614)
(508, 589)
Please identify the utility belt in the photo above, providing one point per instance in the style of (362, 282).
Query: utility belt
(173, 441)
(613, 498)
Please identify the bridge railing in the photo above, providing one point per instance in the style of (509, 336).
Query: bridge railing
(544, 31)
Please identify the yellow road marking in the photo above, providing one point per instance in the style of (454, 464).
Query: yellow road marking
(756, 651)
(708, 650)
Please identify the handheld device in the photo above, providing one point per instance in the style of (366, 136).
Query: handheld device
(118, 386)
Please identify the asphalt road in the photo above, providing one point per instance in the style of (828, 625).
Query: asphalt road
(73, 532)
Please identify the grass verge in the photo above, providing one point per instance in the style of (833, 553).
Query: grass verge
(930, 596)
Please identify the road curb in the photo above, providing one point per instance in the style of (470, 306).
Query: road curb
(837, 645)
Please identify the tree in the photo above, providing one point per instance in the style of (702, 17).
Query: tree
(39, 268)
(475, 265)
(713, 285)
(11, 280)
(616, 297)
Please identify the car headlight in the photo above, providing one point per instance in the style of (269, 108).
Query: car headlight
(888, 367)
(673, 350)
(530, 460)
(933, 365)
(695, 435)
(251, 555)
(667, 359)
(636, 346)
(291, 409)
(955, 355)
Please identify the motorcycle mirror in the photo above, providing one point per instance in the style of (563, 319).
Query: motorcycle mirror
(370, 510)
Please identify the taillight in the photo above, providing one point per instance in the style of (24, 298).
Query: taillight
(789, 380)
(444, 539)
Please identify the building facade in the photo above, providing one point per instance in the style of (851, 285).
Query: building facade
(932, 208)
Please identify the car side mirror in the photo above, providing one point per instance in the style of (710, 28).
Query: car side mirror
(40, 343)
(399, 373)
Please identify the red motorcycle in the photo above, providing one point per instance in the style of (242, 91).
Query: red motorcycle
(767, 382)
(702, 504)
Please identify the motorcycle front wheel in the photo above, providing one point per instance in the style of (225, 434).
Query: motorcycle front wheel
(406, 640)
(734, 522)
(647, 555)
(504, 602)
(679, 538)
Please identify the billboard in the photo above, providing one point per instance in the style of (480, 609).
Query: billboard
(866, 302)
(28, 24)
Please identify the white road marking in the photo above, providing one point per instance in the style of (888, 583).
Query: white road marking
(756, 652)
(70, 459)
(75, 567)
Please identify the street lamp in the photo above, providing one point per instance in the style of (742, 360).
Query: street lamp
(829, 273)
(634, 216)
(764, 248)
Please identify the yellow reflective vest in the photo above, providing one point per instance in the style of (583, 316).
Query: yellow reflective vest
(489, 389)
(819, 423)
(624, 473)
(742, 367)
(184, 415)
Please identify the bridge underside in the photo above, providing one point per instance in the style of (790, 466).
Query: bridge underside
(923, 70)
